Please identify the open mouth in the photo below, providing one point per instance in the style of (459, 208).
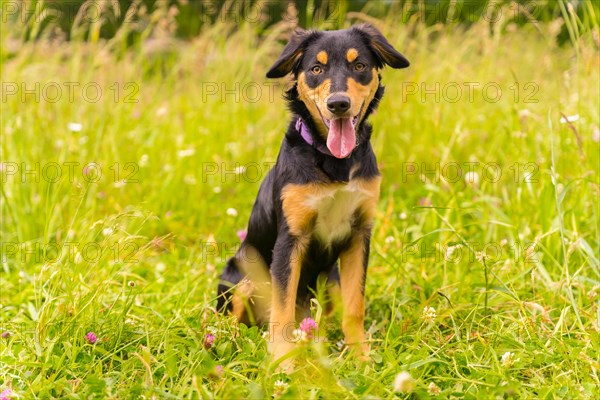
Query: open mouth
(341, 138)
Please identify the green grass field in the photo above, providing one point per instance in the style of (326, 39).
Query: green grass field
(489, 149)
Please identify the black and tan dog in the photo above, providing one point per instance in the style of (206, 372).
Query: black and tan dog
(317, 204)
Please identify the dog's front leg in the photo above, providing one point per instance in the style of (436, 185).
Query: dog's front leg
(288, 255)
(353, 269)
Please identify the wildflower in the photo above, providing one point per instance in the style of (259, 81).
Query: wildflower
(75, 126)
(450, 251)
(480, 256)
(524, 113)
(298, 335)
(143, 160)
(232, 212)
(279, 388)
(6, 394)
(569, 118)
(161, 111)
(92, 172)
(308, 325)
(190, 179)
(91, 337)
(389, 239)
(107, 231)
(241, 234)
(5, 334)
(424, 202)
(160, 267)
(217, 371)
(186, 153)
(508, 359)
(433, 389)
(209, 340)
(404, 383)
(217, 189)
(596, 135)
(402, 216)
(429, 314)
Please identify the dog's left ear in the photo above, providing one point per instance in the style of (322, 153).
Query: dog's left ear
(291, 54)
(384, 51)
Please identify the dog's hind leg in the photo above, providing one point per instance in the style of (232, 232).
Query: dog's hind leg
(228, 300)
(244, 288)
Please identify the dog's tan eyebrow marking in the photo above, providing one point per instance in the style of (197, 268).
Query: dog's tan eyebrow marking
(351, 54)
(322, 57)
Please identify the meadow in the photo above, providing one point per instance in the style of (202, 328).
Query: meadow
(129, 170)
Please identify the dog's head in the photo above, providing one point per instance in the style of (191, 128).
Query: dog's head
(337, 78)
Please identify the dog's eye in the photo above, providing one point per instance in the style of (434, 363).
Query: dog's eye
(316, 70)
(359, 66)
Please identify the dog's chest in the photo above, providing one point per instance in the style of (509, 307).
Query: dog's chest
(335, 210)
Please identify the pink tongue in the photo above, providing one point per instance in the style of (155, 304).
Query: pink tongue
(341, 139)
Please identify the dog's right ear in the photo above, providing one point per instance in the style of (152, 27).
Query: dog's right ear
(291, 55)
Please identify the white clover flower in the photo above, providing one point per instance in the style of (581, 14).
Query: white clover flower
(75, 126)
(161, 111)
(480, 256)
(189, 179)
(433, 389)
(569, 118)
(186, 153)
(279, 388)
(232, 212)
(404, 383)
(389, 239)
(298, 335)
(403, 216)
(450, 251)
(508, 359)
(429, 314)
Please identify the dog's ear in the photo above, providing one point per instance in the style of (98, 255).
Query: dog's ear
(384, 51)
(291, 54)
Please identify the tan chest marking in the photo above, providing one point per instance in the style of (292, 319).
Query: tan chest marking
(326, 210)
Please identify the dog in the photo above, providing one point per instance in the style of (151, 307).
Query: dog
(316, 205)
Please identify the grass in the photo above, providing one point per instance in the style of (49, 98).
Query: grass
(507, 255)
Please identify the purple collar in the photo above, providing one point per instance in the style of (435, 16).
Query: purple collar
(301, 127)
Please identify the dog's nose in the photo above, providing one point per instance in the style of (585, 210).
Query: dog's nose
(338, 104)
